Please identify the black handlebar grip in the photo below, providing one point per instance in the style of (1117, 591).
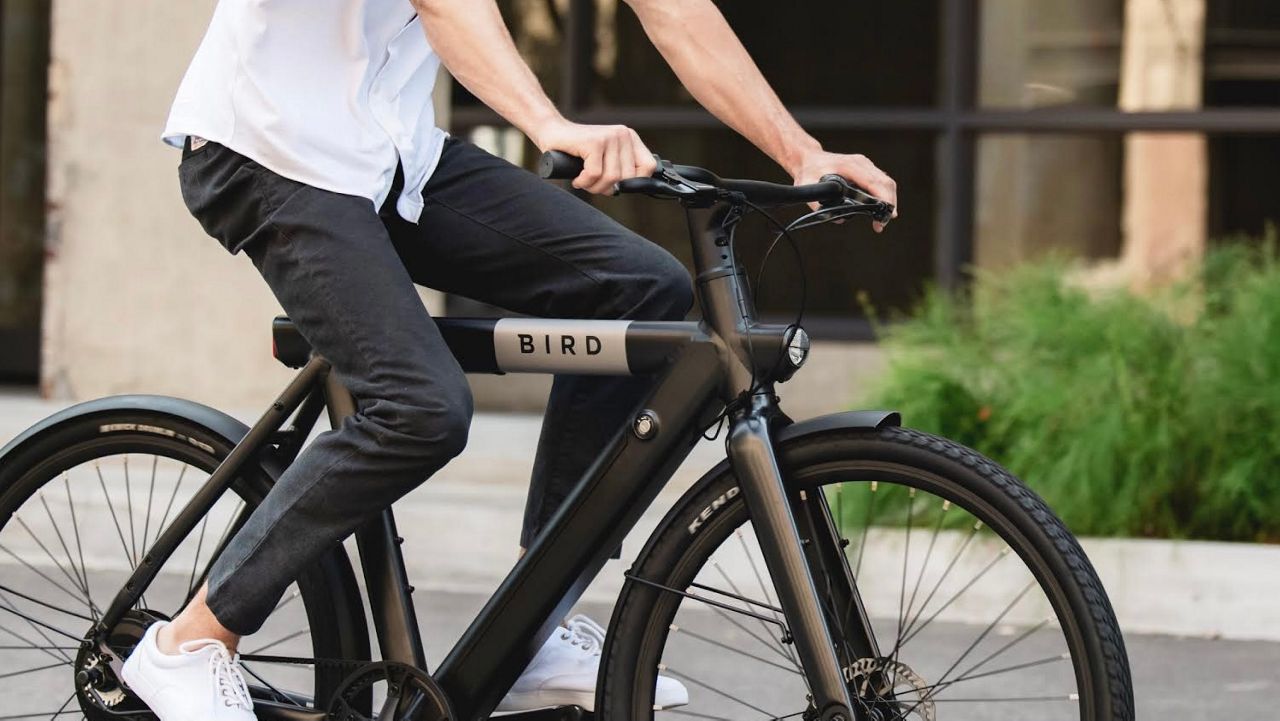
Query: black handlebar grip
(555, 165)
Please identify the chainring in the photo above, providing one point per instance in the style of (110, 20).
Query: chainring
(411, 695)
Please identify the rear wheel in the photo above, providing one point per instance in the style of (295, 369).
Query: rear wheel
(79, 508)
(981, 603)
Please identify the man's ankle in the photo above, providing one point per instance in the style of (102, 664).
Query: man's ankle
(172, 635)
(165, 640)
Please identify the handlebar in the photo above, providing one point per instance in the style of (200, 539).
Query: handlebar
(690, 183)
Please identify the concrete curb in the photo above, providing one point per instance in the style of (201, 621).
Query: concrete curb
(1183, 588)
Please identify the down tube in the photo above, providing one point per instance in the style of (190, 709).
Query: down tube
(593, 521)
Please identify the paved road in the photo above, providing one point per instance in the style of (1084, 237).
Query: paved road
(1175, 679)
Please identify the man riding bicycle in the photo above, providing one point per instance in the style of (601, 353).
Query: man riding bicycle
(309, 142)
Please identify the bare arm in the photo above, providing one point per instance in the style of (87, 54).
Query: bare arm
(707, 56)
(474, 43)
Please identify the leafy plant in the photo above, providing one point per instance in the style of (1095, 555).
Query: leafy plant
(1128, 416)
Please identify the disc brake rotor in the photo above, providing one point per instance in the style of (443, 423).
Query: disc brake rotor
(880, 682)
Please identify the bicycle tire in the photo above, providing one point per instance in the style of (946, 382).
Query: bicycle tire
(327, 589)
(673, 555)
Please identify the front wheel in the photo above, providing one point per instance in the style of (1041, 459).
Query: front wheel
(980, 603)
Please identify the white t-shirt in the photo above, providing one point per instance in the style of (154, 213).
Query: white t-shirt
(331, 93)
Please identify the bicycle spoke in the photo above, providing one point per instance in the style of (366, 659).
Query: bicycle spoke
(43, 714)
(279, 641)
(63, 706)
(39, 573)
(57, 530)
(231, 521)
(973, 531)
(786, 653)
(279, 694)
(986, 631)
(1004, 552)
(35, 624)
(48, 649)
(1006, 669)
(151, 492)
(678, 629)
(933, 539)
(902, 590)
(11, 674)
(942, 681)
(767, 596)
(1016, 640)
(75, 527)
(866, 526)
(74, 581)
(49, 606)
(169, 506)
(128, 494)
(195, 563)
(234, 521)
(10, 647)
(771, 645)
(1012, 699)
(716, 691)
(114, 519)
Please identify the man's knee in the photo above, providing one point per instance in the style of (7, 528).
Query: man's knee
(665, 290)
(674, 285)
(431, 422)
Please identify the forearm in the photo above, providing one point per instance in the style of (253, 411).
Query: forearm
(707, 56)
(473, 42)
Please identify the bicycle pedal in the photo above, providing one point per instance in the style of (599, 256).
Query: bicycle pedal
(556, 713)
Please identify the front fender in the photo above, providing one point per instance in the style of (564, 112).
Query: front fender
(215, 420)
(849, 420)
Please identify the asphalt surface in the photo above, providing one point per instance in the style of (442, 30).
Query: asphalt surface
(1174, 678)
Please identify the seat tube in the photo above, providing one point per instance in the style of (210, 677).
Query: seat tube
(751, 453)
(395, 620)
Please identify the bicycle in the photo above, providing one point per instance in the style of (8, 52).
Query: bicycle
(755, 563)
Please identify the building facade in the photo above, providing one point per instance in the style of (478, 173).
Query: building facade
(1134, 133)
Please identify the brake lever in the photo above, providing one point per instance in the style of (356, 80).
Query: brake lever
(879, 210)
(667, 183)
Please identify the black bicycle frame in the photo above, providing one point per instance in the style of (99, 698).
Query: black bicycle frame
(724, 361)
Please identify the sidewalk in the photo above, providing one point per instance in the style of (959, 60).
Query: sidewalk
(1167, 587)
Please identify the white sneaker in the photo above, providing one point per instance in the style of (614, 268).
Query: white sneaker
(202, 682)
(564, 671)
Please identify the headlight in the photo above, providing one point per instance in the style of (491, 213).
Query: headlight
(798, 347)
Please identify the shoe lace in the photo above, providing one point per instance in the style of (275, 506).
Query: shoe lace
(229, 681)
(584, 633)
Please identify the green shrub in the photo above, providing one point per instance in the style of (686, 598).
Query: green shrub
(1128, 417)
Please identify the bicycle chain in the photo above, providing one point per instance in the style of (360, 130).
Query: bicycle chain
(344, 664)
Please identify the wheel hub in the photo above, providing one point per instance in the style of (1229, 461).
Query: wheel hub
(101, 694)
